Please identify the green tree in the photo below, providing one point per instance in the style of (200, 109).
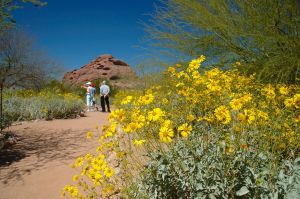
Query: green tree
(20, 65)
(13, 55)
(7, 6)
(263, 35)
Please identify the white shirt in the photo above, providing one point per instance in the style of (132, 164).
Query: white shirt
(104, 90)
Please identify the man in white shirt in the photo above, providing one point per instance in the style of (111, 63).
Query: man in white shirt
(104, 96)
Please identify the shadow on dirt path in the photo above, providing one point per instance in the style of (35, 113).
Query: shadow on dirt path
(43, 154)
(46, 147)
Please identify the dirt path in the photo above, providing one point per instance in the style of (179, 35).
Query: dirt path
(37, 167)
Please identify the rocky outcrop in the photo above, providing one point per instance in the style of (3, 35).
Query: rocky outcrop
(103, 67)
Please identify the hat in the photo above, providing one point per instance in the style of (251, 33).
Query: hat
(88, 83)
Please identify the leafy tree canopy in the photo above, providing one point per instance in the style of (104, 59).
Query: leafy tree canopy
(7, 6)
(263, 35)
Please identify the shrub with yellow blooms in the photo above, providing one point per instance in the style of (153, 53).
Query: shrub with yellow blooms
(201, 123)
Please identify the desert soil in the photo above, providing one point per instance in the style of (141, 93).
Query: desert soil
(38, 166)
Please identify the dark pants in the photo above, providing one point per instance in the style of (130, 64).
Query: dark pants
(105, 100)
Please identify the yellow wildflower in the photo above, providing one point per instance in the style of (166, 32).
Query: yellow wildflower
(99, 148)
(89, 135)
(208, 118)
(289, 102)
(269, 91)
(104, 128)
(248, 116)
(108, 134)
(296, 99)
(185, 129)
(167, 124)
(155, 114)
(222, 114)
(262, 115)
(199, 119)
(180, 84)
(72, 190)
(190, 118)
(109, 172)
(201, 58)
(171, 70)
(283, 90)
(126, 100)
(79, 162)
(196, 74)
(88, 156)
(230, 149)
(246, 98)
(75, 178)
(166, 134)
(138, 142)
(212, 73)
(146, 99)
(213, 85)
(140, 121)
(297, 118)
(118, 114)
(84, 170)
(236, 104)
(193, 65)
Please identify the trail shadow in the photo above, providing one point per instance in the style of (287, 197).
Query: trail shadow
(8, 156)
(37, 147)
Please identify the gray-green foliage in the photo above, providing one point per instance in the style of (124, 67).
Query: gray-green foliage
(5, 121)
(190, 170)
(263, 35)
(41, 107)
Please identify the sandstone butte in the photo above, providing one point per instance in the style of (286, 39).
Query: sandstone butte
(104, 67)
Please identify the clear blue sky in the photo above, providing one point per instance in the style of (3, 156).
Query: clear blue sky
(74, 32)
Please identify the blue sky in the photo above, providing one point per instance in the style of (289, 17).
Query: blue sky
(75, 32)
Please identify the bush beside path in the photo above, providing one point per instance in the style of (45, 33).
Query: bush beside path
(38, 165)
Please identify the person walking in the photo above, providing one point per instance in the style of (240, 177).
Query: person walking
(104, 96)
(88, 88)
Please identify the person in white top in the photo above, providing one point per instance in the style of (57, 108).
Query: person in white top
(104, 96)
(89, 95)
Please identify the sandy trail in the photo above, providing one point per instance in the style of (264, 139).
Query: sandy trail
(37, 167)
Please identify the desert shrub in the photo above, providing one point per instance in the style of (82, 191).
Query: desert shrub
(28, 105)
(236, 124)
(189, 170)
(5, 121)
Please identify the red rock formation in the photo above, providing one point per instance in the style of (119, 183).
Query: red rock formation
(103, 67)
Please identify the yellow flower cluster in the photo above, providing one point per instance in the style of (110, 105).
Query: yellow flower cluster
(94, 169)
(211, 97)
(293, 101)
(72, 190)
